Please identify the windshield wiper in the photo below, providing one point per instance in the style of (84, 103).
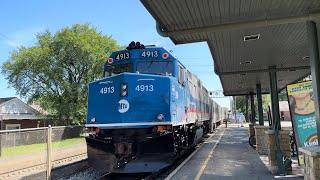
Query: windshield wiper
(150, 64)
(167, 64)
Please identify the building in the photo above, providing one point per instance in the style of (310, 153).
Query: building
(284, 110)
(15, 114)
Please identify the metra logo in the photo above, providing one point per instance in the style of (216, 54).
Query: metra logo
(312, 141)
(123, 106)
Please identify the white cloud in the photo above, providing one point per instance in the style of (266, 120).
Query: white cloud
(23, 37)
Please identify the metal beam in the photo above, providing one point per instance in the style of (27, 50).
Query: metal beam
(239, 25)
(236, 93)
(253, 113)
(246, 91)
(263, 70)
(274, 100)
(260, 110)
(313, 38)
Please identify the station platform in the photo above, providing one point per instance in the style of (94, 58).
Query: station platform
(226, 155)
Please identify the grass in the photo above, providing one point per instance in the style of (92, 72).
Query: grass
(34, 148)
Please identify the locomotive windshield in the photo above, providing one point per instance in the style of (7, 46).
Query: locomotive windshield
(156, 67)
(120, 68)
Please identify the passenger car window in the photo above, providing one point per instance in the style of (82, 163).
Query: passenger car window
(181, 76)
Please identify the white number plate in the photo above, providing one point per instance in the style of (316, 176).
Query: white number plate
(147, 54)
(107, 90)
(121, 56)
(144, 88)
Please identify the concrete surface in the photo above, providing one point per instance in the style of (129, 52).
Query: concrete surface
(232, 159)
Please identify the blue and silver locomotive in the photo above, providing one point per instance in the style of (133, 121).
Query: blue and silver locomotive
(146, 111)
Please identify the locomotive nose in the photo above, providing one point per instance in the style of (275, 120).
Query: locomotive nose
(129, 98)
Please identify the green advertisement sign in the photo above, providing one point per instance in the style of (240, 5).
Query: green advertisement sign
(303, 113)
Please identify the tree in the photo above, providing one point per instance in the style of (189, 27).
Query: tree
(266, 99)
(283, 95)
(55, 71)
(241, 103)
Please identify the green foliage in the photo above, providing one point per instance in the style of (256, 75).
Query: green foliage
(266, 99)
(56, 71)
(241, 103)
(283, 95)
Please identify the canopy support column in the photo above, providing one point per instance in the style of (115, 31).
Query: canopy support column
(315, 68)
(247, 108)
(274, 100)
(253, 113)
(260, 110)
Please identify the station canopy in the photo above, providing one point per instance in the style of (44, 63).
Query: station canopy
(247, 38)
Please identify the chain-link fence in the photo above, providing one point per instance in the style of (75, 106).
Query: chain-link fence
(32, 153)
(68, 142)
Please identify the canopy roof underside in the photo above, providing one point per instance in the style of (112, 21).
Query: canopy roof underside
(280, 24)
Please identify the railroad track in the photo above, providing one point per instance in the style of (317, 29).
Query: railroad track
(91, 174)
(39, 171)
(160, 175)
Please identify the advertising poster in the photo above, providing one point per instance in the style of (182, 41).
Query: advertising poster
(302, 109)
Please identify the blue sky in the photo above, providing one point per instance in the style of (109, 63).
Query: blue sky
(124, 20)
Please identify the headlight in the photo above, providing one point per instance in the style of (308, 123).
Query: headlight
(123, 89)
(93, 119)
(160, 117)
(123, 93)
(124, 86)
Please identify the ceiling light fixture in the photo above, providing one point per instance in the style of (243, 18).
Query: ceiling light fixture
(306, 57)
(245, 62)
(251, 37)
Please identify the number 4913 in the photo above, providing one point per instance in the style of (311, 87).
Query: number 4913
(107, 90)
(144, 88)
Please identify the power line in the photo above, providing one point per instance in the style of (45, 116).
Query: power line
(6, 37)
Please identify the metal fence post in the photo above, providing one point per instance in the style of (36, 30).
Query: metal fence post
(14, 139)
(49, 152)
(0, 143)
